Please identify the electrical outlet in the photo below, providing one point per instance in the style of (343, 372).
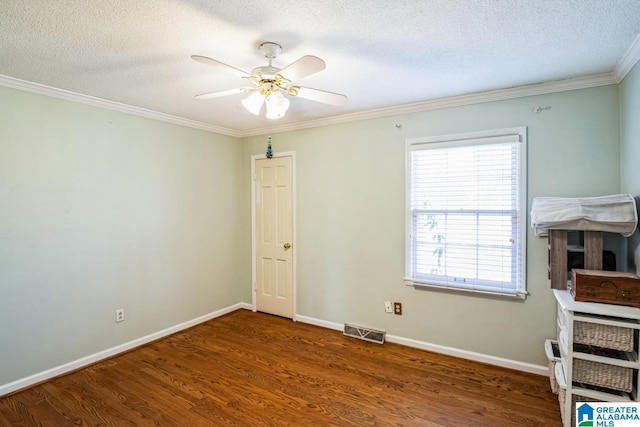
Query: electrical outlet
(388, 308)
(120, 315)
(397, 308)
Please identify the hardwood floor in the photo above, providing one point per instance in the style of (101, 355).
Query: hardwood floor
(252, 369)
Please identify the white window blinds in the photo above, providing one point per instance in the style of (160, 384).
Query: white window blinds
(466, 212)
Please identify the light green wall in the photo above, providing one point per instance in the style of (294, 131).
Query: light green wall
(350, 207)
(101, 210)
(630, 151)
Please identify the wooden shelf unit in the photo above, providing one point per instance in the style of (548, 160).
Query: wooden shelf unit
(558, 248)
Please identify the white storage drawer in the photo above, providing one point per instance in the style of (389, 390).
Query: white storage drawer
(562, 318)
(552, 350)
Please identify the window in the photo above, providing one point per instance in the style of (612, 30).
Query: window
(466, 212)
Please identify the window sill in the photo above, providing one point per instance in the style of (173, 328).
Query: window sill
(518, 295)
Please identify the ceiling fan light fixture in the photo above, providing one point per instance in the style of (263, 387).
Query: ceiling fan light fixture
(277, 105)
(271, 84)
(253, 103)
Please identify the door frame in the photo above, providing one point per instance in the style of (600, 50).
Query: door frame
(254, 288)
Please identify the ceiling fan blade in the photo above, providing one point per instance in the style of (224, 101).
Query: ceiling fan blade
(208, 61)
(322, 96)
(212, 95)
(303, 67)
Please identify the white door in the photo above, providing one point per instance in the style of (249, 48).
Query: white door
(274, 236)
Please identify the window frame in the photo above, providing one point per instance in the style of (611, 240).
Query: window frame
(467, 139)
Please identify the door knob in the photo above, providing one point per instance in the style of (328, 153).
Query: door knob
(287, 245)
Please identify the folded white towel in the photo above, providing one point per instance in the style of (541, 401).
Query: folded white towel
(616, 213)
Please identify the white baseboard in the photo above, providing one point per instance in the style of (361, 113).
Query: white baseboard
(318, 322)
(450, 351)
(94, 358)
(110, 352)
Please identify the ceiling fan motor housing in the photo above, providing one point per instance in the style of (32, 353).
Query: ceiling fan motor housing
(266, 72)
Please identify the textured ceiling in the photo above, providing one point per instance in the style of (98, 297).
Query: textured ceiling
(379, 53)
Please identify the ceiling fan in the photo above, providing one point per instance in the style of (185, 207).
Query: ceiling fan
(269, 83)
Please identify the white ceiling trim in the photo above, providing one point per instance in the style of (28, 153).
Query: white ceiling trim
(629, 59)
(66, 95)
(455, 101)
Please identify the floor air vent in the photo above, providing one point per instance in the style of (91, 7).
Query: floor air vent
(366, 334)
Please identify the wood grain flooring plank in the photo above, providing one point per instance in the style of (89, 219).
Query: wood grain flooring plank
(253, 369)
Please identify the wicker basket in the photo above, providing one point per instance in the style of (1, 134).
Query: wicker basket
(553, 354)
(606, 336)
(603, 375)
(562, 398)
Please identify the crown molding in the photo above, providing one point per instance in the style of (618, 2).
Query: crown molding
(454, 101)
(629, 59)
(416, 107)
(14, 83)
